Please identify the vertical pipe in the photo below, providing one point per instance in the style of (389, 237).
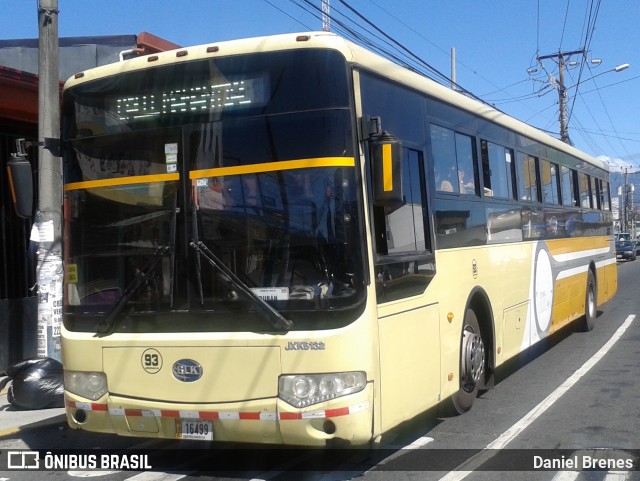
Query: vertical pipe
(49, 215)
(453, 69)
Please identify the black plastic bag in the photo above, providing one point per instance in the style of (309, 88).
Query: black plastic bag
(36, 383)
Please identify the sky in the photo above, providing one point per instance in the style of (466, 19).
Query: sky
(495, 41)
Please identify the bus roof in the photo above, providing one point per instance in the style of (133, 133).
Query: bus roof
(355, 55)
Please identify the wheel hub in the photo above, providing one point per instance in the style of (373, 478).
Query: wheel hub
(472, 359)
(591, 303)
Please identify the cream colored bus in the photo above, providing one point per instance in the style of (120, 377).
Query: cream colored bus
(292, 240)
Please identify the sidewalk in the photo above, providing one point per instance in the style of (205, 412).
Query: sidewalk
(13, 421)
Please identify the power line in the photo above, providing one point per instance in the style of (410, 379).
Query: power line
(616, 136)
(564, 25)
(352, 24)
(288, 15)
(606, 111)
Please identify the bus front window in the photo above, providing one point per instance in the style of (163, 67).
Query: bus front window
(284, 233)
(120, 224)
(266, 184)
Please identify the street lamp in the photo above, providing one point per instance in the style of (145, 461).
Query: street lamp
(562, 58)
(562, 92)
(618, 68)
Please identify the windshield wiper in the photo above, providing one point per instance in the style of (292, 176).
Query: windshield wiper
(276, 319)
(108, 324)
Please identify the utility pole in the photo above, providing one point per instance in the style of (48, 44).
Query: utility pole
(625, 196)
(49, 214)
(453, 69)
(326, 16)
(562, 103)
(562, 90)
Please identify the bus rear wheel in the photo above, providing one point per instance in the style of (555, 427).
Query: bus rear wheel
(472, 364)
(590, 303)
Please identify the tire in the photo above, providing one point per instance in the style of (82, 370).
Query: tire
(590, 303)
(472, 364)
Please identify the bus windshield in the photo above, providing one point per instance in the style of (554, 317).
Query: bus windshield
(249, 158)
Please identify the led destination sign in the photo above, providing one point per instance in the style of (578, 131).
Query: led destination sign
(195, 99)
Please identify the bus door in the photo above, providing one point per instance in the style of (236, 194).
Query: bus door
(408, 325)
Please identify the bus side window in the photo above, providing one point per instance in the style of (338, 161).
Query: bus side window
(584, 188)
(604, 196)
(454, 161)
(568, 191)
(498, 171)
(403, 267)
(404, 231)
(549, 172)
(527, 177)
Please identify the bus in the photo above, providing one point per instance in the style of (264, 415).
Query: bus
(293, 240)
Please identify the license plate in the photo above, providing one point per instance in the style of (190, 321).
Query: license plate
(198, 429)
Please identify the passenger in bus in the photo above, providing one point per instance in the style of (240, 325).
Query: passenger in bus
(210, 194)
(446, 186)
(466, 187)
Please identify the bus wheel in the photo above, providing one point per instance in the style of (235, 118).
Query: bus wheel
(590, 303)
(472, 363)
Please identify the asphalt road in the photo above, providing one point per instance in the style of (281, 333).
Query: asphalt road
(575, 397)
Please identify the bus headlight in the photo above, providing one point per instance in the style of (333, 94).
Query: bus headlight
(302, 390)
(91, 385)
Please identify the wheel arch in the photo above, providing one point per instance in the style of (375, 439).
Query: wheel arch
(479, 302)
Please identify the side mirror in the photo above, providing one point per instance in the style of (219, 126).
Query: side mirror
(21, 185)
(386, 167)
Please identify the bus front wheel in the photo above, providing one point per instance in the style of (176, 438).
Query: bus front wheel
(472, 364)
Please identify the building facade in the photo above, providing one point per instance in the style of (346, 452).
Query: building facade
(19, 120)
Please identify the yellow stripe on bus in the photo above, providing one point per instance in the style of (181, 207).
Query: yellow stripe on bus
(11, 188)
(135, 179)
(387, 167)
(571, 244)
(273, 166)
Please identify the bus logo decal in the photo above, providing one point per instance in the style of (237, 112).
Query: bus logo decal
(151, 361)
(187, 370)
(305, 346)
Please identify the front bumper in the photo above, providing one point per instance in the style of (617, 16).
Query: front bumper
(270, 421)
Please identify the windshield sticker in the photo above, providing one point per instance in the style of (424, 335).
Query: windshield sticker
(71, 273)
(172, 168)
(272, 293)
(171, 148)
(171, 154)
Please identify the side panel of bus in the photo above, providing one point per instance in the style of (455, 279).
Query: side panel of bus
(522, 266)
